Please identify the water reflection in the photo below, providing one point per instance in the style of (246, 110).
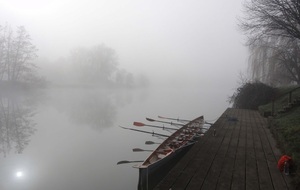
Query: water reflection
(16, 124)
(78, 142)
(94, 108)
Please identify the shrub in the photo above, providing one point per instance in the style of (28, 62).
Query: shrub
(252, 95)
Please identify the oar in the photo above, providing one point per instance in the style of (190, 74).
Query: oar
(185, 120)
(141, 150)
(139, 124)
(129, 161)
(152, 133)
(171, 123)
(174, 119)
(151, 142)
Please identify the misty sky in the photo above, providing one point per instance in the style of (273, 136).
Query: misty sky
(173, 41)
(177, 43)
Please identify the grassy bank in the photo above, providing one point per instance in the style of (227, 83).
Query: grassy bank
(286, 127)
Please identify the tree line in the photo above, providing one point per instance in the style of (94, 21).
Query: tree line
(94, 66)
(273, 31)
(98, 65)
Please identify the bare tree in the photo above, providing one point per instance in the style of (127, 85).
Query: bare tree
(273, 30)
(16, 54)
(5, 50)
(269, 18)
(288, 59)
(276, 61)
(95, 65)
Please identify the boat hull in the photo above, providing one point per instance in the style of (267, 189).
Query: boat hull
(150, 176)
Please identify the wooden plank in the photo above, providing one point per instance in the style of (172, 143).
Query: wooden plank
(239, 174)
(265, 181)
(251, 168)
(200, 176)
(225, 178)
(243, 156)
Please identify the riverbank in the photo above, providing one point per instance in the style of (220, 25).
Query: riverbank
(285, 126)
(286, 130)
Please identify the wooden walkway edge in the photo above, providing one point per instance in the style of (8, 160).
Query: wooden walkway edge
(242, 156)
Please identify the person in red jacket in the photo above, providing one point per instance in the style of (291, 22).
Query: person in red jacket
(284, 164)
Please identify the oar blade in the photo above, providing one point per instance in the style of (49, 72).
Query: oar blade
(138, 124)
(149, 119)
(141, 150)
(137, 150)
(128, 161)
(123, 162)
(149, 142)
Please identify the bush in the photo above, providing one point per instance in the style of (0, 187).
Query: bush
(252, 95)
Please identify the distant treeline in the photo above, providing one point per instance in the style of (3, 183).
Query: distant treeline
(96, 66)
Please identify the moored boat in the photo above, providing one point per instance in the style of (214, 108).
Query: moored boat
(162, 159)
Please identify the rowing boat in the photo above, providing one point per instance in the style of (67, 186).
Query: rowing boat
(163, 158)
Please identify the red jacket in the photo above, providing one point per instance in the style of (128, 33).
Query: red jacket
(281, 162)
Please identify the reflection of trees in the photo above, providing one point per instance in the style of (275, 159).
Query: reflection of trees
(16, 126)
(94, 109)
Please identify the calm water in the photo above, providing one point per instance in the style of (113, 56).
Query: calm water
(69, 139)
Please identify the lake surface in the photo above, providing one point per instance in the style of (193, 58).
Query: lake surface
(70, 139)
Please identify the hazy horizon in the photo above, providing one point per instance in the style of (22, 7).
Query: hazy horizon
(191, 51)
(171, 42)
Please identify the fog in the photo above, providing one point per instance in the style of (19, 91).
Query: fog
(190, 51)
(171, 42)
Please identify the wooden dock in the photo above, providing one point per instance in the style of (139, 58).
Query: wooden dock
(242, 155)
